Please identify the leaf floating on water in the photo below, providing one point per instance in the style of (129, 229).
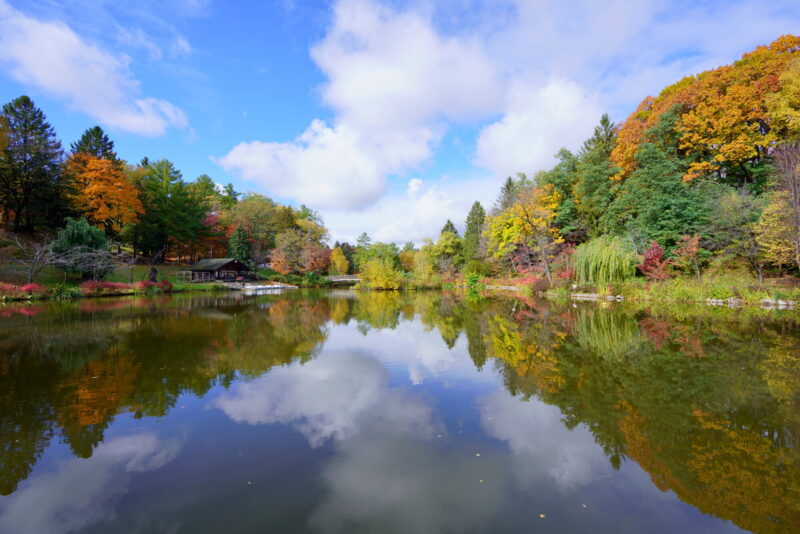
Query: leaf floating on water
(249, 483)
(481, 481)
(541, 516)
(477, 454)
(583, 505)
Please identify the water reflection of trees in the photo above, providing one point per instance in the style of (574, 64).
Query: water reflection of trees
(68, 372)
(708, 406)
(706, 402)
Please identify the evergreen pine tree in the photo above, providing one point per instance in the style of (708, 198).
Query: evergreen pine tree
(95, 142)
(30, 167)
(239, 245)
(449, 227)
(472, 234)
(508, 193)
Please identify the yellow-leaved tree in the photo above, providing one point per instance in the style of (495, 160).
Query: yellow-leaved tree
(102, 193)
(525, 229)
(775, 232)
(339, 263)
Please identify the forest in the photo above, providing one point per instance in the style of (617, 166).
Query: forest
(700, 182)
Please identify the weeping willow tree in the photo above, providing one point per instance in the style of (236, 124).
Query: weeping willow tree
(605, 260)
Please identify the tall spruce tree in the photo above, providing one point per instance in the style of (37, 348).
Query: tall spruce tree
(472, 234)
(239, 245)
(30, 167)
(449, 227)
(506, 197)
(95, 142)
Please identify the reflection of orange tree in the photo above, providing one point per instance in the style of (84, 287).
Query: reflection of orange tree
(719, 431)
(79, 374)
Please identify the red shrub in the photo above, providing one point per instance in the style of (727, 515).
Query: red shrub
(8, 288)
(654, 264)
(33, 289)
(144, 285)
(97, 286)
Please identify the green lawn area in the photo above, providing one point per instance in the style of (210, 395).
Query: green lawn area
(16, 274)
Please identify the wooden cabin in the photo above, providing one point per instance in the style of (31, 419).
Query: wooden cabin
(227, 269)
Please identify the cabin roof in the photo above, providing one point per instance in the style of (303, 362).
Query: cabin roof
(217, 263)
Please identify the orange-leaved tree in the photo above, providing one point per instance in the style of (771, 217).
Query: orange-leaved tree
(731, 116)
(102, 193)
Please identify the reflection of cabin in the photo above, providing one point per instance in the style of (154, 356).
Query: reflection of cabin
(214, 269)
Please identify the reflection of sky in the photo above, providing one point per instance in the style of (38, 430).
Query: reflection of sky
(79, 491)
(400, 462)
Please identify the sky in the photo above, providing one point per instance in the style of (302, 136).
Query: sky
(385, 116)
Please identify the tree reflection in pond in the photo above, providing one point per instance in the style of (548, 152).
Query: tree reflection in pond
(707, 402)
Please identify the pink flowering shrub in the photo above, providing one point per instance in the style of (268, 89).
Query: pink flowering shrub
(98, 287)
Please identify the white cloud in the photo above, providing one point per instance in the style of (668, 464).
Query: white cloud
(537, 123)
(417, 213)
(181, 47)
(385, 82)
(52, 57)
(80, 491)
(324, 167)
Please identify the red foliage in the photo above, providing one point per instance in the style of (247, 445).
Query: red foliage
(315, 258)
(33, 289)
(654, 264)
(164, 285)
(97, 286)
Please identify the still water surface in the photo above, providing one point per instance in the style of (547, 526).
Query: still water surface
(417, 413)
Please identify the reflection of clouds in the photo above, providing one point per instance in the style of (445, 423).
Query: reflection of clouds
(410, 346)
(82, 491)
(394, 483)
(333, 396)
(540, 443)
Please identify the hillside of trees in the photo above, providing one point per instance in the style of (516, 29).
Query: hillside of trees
(703, 178)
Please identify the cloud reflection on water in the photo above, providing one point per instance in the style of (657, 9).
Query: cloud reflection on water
(80, 492)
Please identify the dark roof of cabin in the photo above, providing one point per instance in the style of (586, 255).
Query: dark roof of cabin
(215, 264)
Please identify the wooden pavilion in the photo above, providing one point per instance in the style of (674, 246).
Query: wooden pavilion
(227, 269)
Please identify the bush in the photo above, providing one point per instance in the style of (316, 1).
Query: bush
(477, 267)
(97, 287)
(146, 286)
(380, 274)
(65, 292)
(314, 280)
(605, 260)
(34, 289)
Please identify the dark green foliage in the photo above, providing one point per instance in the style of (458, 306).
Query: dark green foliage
(172, 213)
(95, 142)
(592, 189)
(80, 248)
(562, 178)
(654, 203)
(239, 245)
(472, 234)
(449, 227)
(31, 185)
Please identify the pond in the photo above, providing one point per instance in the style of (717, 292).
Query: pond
(427, 412)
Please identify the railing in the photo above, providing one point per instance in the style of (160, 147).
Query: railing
(344, 279)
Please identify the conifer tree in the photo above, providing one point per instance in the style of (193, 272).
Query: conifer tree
(449, 227)
(95, 142)
(239, 245)
(30, 167)
(472, 234)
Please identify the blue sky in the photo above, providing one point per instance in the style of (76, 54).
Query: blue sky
(386, 116)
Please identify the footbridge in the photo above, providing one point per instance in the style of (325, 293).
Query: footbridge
(343, 279)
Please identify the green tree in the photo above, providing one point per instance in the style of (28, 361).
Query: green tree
(733, 227)
(655, 203)
(31, 185)
(172, 213)
(239, 245)
(449, 227)
(472, 235)
(592, 189)
(562, 177)
(81, 249)
(95, 142)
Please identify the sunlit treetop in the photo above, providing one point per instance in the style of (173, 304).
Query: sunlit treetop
(731, 115)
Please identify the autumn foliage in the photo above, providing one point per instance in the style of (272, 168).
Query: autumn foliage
(102, 193)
